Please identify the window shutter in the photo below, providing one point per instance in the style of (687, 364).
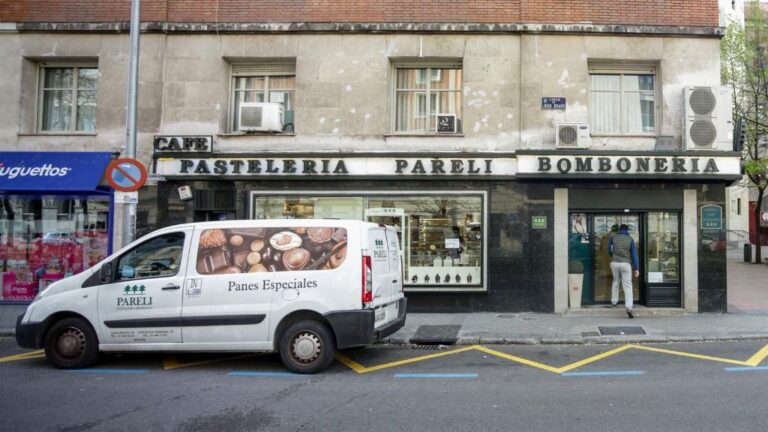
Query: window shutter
(264, 68)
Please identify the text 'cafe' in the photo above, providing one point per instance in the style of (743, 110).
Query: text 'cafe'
(484, 232)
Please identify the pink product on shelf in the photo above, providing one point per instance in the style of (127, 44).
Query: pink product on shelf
(9, 278)
(21, 291)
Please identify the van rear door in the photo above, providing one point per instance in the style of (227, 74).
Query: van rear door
(382, 277)
(395, 263)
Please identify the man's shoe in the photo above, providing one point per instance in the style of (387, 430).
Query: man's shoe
(614, 305)
(630, 314)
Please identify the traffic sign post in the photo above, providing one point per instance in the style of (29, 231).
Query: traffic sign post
(126, 175)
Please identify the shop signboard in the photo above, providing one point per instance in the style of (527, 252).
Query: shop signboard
(329, 166)
(531, 164)
(52, 171)
(711, 217)
(605, 165)
(182, 144)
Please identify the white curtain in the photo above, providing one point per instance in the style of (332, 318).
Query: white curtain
(604, 104)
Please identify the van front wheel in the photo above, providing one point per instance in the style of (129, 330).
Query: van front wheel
(71, 344)
(307, 347)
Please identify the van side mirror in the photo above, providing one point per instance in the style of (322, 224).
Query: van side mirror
(105, 272)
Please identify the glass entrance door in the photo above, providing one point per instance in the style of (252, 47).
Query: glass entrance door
(604, 226)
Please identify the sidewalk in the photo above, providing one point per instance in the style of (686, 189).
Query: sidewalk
(747, 319)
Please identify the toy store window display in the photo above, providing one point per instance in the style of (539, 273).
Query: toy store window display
(37, 251)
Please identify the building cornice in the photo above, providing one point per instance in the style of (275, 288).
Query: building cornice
(401, 27)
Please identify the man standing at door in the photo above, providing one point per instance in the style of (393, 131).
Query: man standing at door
(624, 260)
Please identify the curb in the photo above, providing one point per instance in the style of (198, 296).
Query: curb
(596, 340)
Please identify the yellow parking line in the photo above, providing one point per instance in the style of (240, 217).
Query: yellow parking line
(23, 356)
(170, 362)
(357, 367)
(758, 357)
(593, 359)
(516, 359)
(691, 355)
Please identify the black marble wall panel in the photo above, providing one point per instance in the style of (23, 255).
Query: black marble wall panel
(713, 284)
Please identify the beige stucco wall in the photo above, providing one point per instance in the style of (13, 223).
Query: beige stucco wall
(343, 95)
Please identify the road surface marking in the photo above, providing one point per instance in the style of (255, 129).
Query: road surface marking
(262, 374)
(23, 356)
(359, 368)
(691, 355)
(602, 373)
(436, 375)
(170, 362)
(747, 369)
(109, 371)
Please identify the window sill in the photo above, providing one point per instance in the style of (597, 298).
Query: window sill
(88, 134)
(259, 134)
(623, 136)
(424, 135)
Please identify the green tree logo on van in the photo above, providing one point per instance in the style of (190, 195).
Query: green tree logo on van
(379, 243)
(135, 290)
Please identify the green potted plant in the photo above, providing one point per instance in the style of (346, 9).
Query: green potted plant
(575, 283)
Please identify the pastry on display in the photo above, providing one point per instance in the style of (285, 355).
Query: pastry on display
(256, 250)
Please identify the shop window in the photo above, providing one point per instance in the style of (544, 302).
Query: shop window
(46, 238)
(442, 236)
(428, 99)
(622, 99)
(67, 99)
(266, 82)
(157, 257)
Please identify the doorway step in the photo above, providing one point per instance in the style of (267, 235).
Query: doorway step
(609, 311)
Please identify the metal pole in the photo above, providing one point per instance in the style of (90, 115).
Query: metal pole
(129, 209)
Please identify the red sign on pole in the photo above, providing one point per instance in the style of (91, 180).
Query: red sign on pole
(126, 175)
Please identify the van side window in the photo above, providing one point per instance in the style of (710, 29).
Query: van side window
(158, 257)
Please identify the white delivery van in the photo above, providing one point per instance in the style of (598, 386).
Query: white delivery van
(303, 288)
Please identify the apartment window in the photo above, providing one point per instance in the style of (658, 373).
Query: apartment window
(424, 94)
(622, 100)
(264, 82)
(67, 100)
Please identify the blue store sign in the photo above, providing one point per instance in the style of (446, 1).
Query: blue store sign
(52, 171)
(711, 217)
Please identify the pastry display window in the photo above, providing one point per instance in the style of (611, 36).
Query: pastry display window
(442, 235)
(663, 237)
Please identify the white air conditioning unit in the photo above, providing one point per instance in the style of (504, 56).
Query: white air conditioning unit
(260, 117)
(707, 118)
(572, 135)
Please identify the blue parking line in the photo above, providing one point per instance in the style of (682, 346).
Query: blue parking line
(110, 371)
(262, 374)
(746, 369)
(436, 375)
(604, 373)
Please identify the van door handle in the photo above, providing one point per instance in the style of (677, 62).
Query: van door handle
(171, 287)
(394, 280)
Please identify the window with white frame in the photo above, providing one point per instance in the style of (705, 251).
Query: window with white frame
(263, 83)
(425, 94)
(67, 100)
(622, 100)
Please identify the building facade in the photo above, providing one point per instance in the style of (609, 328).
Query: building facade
(504, 140)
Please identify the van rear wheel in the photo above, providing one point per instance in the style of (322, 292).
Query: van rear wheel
(307, 347)
(71, 344)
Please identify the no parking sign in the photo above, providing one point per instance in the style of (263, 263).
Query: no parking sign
(126, 175)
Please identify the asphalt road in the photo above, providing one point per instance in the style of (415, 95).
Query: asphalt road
(689, 387)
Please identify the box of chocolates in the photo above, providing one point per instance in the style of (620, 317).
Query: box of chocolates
(254, 250)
